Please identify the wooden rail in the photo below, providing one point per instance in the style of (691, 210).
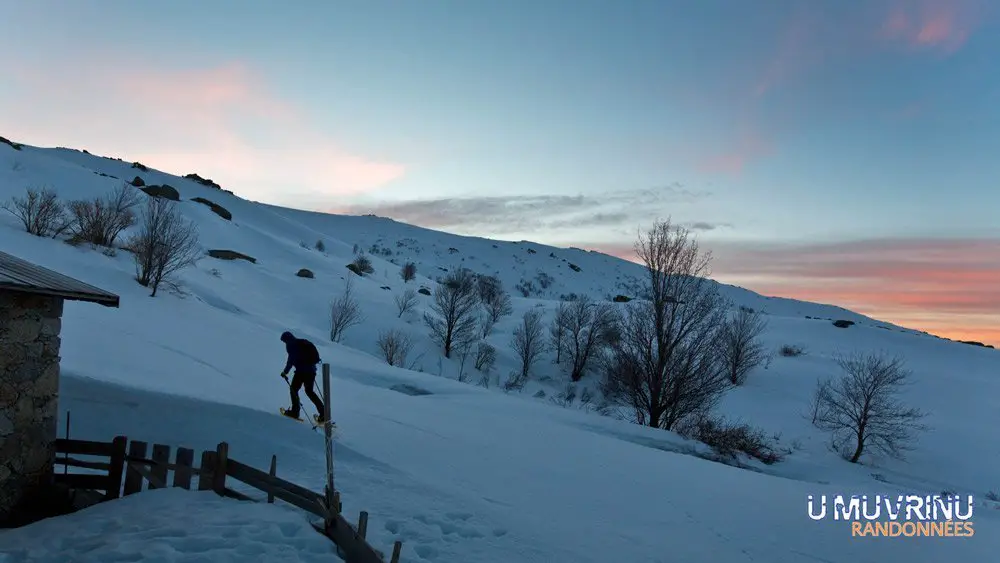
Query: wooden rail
(129, 470)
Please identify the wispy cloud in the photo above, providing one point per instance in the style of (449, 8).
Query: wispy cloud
(224, 122)
(501, 215)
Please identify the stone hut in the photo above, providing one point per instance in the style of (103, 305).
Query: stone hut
(31, 306)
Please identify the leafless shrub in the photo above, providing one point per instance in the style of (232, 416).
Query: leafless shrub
(730, 438)
(345, 311)
(527, 342)
(861, 409)
(587, 329)
(395, 346)
(320, 246)
(486, 356)
(405, 302)
(993, 496)
(665, 364)
(363, 264)
(40, 212)
(101, 220)
(790, 351)
(454, 308)
(16, 166)
(408, 271)
(741, 350)
(164, 244)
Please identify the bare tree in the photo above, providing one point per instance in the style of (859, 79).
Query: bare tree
(395, 346)
(528, 343)
(486, 356)
(40, 211)
(164, 244)
(405, 302)
(665, 364)
(557, 330)
(861, 408)
(408, 271)
(101, 220)
(454, 305)
(345, 311)
(742, 350)
(587, 328)
(496, 302)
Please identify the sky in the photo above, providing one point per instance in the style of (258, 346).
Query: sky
(833, 151)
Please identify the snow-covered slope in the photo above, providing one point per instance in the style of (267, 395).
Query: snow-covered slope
(471, 474)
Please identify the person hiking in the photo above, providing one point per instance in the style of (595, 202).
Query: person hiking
(303, 356)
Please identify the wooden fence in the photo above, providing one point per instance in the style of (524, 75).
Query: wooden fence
(126, 471)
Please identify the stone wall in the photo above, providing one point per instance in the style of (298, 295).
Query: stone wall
(29, 387)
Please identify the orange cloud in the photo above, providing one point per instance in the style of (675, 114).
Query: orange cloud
(223, 122)
(946, 287)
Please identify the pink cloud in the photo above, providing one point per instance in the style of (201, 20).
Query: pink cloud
(943, 25)
(224, 122)
(946, 287)
(743, 150)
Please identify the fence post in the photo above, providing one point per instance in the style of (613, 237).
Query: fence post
(133, 479)
(219, 471)
(328, 433)
(182, 474)
(161, 458)
(117, 470)
(207, 470)
(396, 549)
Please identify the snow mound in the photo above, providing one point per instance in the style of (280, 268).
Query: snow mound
(168, 525)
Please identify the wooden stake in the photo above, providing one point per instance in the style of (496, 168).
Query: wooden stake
(363, 524)
(219, 471)
(273, 473)
(396, 548)
(328, 435)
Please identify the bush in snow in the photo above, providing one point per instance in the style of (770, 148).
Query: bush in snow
(164, 244)
(408, 271)
(729, 438)
(395, 346)
(101, 220)
(320, 246)
(454, 311)
(405, 302)
(861, 409)
(40, 212)
(741, 347)
(790, 351)
(362, 264)
(345, 311)
(664, 364)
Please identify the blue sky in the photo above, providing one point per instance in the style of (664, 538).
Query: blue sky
(867, 129)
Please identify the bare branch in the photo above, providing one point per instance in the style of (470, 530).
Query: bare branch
(454, 306)
(587, 328)
(861, 409)
(665, 362)
(406, 302)
(40, 212)
(345, 311)
(395, 346)
(529, 345)
(741, 349)
(165, 244)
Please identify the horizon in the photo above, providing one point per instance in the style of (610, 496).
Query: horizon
(831, 152)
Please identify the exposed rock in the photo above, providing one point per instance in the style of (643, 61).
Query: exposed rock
(305, 273)
(231, 255)
(218, 209)
(164, 191)
(138, 182)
